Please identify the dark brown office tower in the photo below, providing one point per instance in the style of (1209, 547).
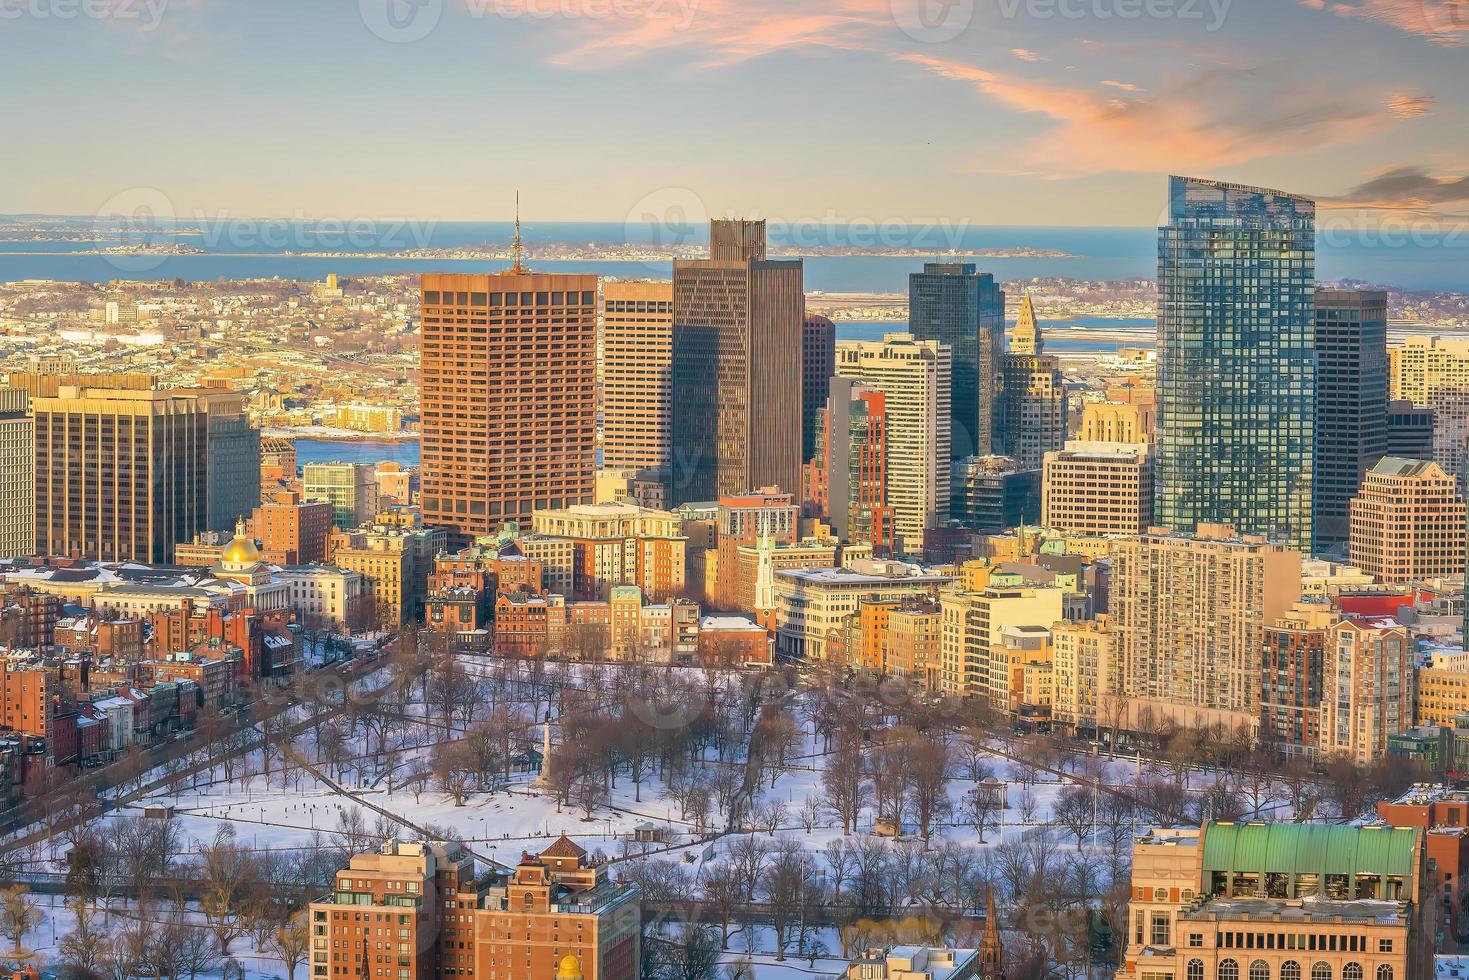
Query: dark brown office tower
(818, 367)
(736, 368)
(122, 469)
(509, 366)
(1351, 402)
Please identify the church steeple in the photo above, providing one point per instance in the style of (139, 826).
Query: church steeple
(1026, 337)
(991, 950)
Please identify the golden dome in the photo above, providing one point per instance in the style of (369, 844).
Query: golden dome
(241, 550)
(570, 968)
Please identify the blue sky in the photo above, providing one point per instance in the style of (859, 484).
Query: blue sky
(1066, 112)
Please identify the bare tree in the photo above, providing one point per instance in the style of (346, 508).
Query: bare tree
(19, 914)
(290, 942)
(982, 808)
(783, 885)
(843, 782)
(83, 948)
(928, 768)
(198, 951)
(1073, 809)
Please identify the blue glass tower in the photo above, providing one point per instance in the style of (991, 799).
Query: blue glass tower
(1236, 360)
(952, 303)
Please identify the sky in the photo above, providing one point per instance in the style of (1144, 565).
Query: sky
(999, 112)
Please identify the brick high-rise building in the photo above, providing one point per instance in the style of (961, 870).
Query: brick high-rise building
(292, 531)
(746, 520)
(1294, 657)
(509, 378)
(1369, 684)
(1351, 401)
(847, 478)
(1407, 522)
(17, 474)
(737, 398)
(818, 364)
(637, 375)
(417, 911)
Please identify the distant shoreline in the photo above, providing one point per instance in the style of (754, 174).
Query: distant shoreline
(298, 434)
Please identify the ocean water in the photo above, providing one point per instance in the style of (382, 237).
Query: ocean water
(241, 249)
(402, 451)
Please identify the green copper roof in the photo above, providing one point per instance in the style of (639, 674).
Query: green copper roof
(1292, 848)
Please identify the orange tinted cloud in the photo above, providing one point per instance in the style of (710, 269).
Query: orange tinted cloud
(1440, 21)
(1218, 118)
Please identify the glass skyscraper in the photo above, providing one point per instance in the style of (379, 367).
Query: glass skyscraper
(1236, 360)
(952, 303)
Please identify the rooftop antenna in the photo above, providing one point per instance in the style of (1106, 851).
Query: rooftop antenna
(517, 247)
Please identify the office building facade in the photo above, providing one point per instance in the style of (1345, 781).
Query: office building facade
(737, 396)
(637, 375)
(1351, 401)
(509, 378)
(953, 304)
(1237, 360)
(914, 376)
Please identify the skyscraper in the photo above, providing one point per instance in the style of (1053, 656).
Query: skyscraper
(1033, 407)
(509, 365)
(1433, 372)
(951, 303)
(1192, 610)
(17, 474)
(914, 376)
(818, 365)
(121, 468)
(1351, 401)
(234, 461)
(737, 399)
(1236, 360)
(848, 477)
(637, 375)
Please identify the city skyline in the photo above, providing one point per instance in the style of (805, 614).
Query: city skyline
(1071, 111)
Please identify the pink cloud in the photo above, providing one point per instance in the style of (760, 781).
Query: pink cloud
(1443, 22)
(1407, 106)
(1125, 86)
(1216, 119)
(1026, 55)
